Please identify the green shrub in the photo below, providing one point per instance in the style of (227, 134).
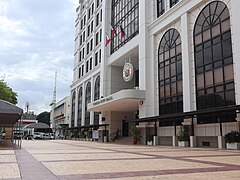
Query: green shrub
(134, 131)
(232, 137)
(183, 134)
(76, 135)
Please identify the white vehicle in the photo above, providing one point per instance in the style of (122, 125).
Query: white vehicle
(38, 135)
(59, 136)
(3, 135)
(52, 135)
(45, 136)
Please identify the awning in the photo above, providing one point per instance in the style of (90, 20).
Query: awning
(9, 113)
(190, 114)
(90, 126)
(37, 126)
(62, 126)
(125, 101)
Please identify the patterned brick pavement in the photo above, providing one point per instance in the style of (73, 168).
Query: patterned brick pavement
(70, 160)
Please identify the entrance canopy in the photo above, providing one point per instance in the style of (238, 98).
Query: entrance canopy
(9, 114)
(125, 101)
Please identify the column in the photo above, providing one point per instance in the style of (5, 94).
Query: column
(105, 73)
(155, 137)
(187, 75)
(235, 29)
(146, 61)
(83, 103)
(186, 66)
(76, 106)
(92, 99)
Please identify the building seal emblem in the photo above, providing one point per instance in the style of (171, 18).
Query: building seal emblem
(128, 72)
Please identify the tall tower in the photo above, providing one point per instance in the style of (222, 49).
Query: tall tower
(54, 90)
(53, 104)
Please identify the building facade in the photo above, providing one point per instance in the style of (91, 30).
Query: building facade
(60, 117)
(172, 64)
(85, 86)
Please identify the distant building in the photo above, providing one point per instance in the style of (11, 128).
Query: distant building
(59, 116)
(29, 118)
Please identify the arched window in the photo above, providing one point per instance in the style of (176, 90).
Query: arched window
(170, 73)
(79, 107)
(87, 100)
(213, 58)
(73, 108)
(96, 97)
(97, 89)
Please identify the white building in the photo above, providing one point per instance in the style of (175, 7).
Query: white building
(60, 116)
(185, 60)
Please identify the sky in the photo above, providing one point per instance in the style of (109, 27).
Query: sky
(37, 39)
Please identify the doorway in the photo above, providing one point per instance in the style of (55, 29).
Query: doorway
(125, 128)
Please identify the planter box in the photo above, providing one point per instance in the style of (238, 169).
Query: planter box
(233, 145)
(183, 143)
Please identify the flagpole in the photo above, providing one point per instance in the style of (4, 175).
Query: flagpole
(114, 32)
(109, 39)
(117, 34)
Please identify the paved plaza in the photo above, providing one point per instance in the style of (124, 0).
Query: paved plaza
(63, 159)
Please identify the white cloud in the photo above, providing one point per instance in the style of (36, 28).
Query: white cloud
(3, 6)
(10, 43)
(41, 67)
(35, 104)
(36, 39)
(12, 27)
(75, 2)
(11, 31)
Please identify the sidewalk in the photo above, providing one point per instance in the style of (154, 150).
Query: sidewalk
(8, 163)
(64, 159)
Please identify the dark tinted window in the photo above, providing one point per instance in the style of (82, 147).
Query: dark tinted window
(87, 100)
(213, 62)
(73, 108)
(96, 97)
(124, 13)
(160, 7)
(79, 107)
(170, 73)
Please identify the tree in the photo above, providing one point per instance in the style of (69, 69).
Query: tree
(44, 117)
(6, 93)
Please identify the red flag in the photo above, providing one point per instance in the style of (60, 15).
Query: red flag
(108, 40)
(122, 31)
(113, 30)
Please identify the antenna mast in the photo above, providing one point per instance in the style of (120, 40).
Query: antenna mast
(54, 91)
(27, 106)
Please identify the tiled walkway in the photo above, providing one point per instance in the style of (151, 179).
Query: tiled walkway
(62, 159)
